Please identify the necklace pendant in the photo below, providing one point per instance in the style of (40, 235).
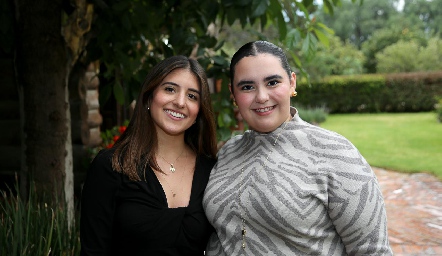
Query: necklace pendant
(172, 169)
(243, 234)
(173, 194)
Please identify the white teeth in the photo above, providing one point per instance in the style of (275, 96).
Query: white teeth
(175, 114)
(264, 109)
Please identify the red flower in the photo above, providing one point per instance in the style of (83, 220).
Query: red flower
(115, 138)
(121, 129)
(109, 145)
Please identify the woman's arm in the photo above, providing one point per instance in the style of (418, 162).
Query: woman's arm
(357, 209)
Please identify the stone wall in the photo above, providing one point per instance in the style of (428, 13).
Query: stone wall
(85, 117)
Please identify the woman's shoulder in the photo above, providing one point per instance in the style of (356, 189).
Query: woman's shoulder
(105, 155)
(234, 140)
(102, 163)
(206, 161)
(302, 127)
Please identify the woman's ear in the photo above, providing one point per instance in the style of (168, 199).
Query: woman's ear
(232, 96)
(292, 82)
(146, 100)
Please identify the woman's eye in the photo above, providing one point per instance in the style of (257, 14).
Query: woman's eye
(193, 96)
(273, 83)
(169, 89)
(246, 87)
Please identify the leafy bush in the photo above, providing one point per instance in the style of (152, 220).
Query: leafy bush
(410, 56)
(439, 110)
(109, 137)
(403, 92)
(314, 115)
(35, 228)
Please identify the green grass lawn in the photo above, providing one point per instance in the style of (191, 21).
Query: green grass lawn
(408, 142)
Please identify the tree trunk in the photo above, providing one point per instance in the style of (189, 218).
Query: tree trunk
(42, 67)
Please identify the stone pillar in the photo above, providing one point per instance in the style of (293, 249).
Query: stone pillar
(91, 118)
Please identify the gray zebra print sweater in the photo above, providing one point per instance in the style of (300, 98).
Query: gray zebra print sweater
(316, 195)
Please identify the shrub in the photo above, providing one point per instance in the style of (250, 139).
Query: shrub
(314, 115)
(439, 110)
(404, 92)
(109, 137)
(35, 228)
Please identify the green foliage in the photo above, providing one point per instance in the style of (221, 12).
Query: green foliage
(222, 105)
(357, 22)
(342, 94)
(373, 93)
(410, 57)
(33, 227)
(387, 36)
(424, 12)
(337, 59)
(316, 115)
(378, 24)
(438, 108)
(108, 139)
(399, 57)
(430, 57)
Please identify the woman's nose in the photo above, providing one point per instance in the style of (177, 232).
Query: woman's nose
(262, 96)
(180, 100)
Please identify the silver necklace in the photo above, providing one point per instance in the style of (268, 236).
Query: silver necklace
(242, 213)
(170, 187)
(172, 168)
(167, 183)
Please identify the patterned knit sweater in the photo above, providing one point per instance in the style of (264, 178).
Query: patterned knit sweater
(310, 193)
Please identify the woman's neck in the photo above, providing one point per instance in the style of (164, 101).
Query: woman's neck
(171, 145)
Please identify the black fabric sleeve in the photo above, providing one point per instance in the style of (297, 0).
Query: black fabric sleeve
(98, 206)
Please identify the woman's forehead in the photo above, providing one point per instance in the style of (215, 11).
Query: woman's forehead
(262, 65)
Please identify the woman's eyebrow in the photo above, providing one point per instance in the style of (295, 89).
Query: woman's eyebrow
(243, 82)
(171, 83)
(195, 90)
(272, 77)
(177, 85)
(266, 79)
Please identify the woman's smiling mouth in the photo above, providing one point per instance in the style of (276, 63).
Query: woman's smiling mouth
(174, 114)
(266, 109)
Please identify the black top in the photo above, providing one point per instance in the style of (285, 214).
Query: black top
(123, 217)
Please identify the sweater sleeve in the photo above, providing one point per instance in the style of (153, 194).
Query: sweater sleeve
(357, 209)
(98, 206)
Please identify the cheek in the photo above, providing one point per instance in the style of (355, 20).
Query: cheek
(243, 99)
(282, 95)
(194, 109)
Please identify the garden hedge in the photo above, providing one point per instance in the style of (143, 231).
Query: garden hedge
(403, 92)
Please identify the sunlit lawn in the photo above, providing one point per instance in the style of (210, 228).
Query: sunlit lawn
(409, 142)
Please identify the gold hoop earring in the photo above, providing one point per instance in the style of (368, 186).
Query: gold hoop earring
(294, 93)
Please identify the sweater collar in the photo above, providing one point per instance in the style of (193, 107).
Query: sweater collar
(295, 117)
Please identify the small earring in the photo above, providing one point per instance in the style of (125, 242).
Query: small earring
(234, 103)
(294, 93)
